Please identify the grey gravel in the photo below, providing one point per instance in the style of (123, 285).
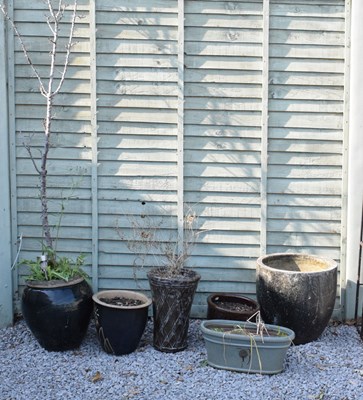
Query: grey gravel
(329, 368)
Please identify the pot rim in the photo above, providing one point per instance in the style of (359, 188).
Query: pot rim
(290, 334)
(120, 292)
(190, 276)
(248, 300)
(330, 263)
(54, 283)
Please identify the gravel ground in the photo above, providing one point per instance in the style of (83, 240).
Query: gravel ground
(329, 368)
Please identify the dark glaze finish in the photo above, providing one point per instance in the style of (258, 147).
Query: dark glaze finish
(58, 316)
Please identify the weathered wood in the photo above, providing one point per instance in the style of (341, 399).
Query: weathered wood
(6, 275)
(245, 123)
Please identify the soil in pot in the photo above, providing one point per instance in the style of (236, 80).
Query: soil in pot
(246, 331)
(231, 306)
(121, 301)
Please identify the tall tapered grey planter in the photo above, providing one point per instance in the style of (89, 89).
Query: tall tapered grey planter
(297, 291)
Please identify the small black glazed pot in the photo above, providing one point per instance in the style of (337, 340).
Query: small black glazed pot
(119, 327)
(58, 312)
(225, 306)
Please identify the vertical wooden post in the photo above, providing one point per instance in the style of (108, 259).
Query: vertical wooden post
(264, 126)
(6, 298)
(94, 127)
(345, 170)
(180, 138)
(355, 162)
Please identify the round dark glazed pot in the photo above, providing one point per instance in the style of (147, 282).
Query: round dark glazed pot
(297, 291)
(120, 328)
(217, 310)
(172, 303)
(57, 312)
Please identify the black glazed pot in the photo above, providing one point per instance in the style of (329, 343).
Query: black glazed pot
(172, 303)
(218, 307)
(58, 312)
(120, 328)
(297, 291)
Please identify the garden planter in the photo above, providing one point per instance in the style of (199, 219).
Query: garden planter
(172, 303)
(57, 312)
(231, 306)
(120, 327)
(297, 291)
(236, 346)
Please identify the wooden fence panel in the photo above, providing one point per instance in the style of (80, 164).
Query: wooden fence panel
(236, 108)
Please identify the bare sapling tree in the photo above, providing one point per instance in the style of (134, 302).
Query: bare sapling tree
(49, 88)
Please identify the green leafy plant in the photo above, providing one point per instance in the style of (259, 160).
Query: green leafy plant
(49, 267)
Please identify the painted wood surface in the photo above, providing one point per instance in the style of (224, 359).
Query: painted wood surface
(235, 108)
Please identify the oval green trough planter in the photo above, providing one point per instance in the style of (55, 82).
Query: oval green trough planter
(244, 351)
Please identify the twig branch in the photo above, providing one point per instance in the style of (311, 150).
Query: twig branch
(25, 51)
(28, 149)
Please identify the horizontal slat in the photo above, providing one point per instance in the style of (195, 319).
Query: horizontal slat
(305, 51)
(306, 171)
(39, 29)
(306, 201)
(304, 159)
(160, 6)
(306, 65)
(152, 116)
(305, 93)
(137, 169)
(149, 32)
(305, 146)
(306, 78)
(220, 131)
(221, 49)
(305, 186)
(313, 38)
(223, 157)
(305, 120)
(135, 47)
(327, 135)
(140, 88)
(136, 155)
(217, 76)
(222, 144)
(204, 170)
(305, 213)
(302, 226)
(138, 74)
(225, 118)
(139, 19)
(56, 167)
(221, 7)
(304, 239)
(223, 35)
(224, 63)
(223, 90)
(223, 21)
(307, 23)
(308, 10)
